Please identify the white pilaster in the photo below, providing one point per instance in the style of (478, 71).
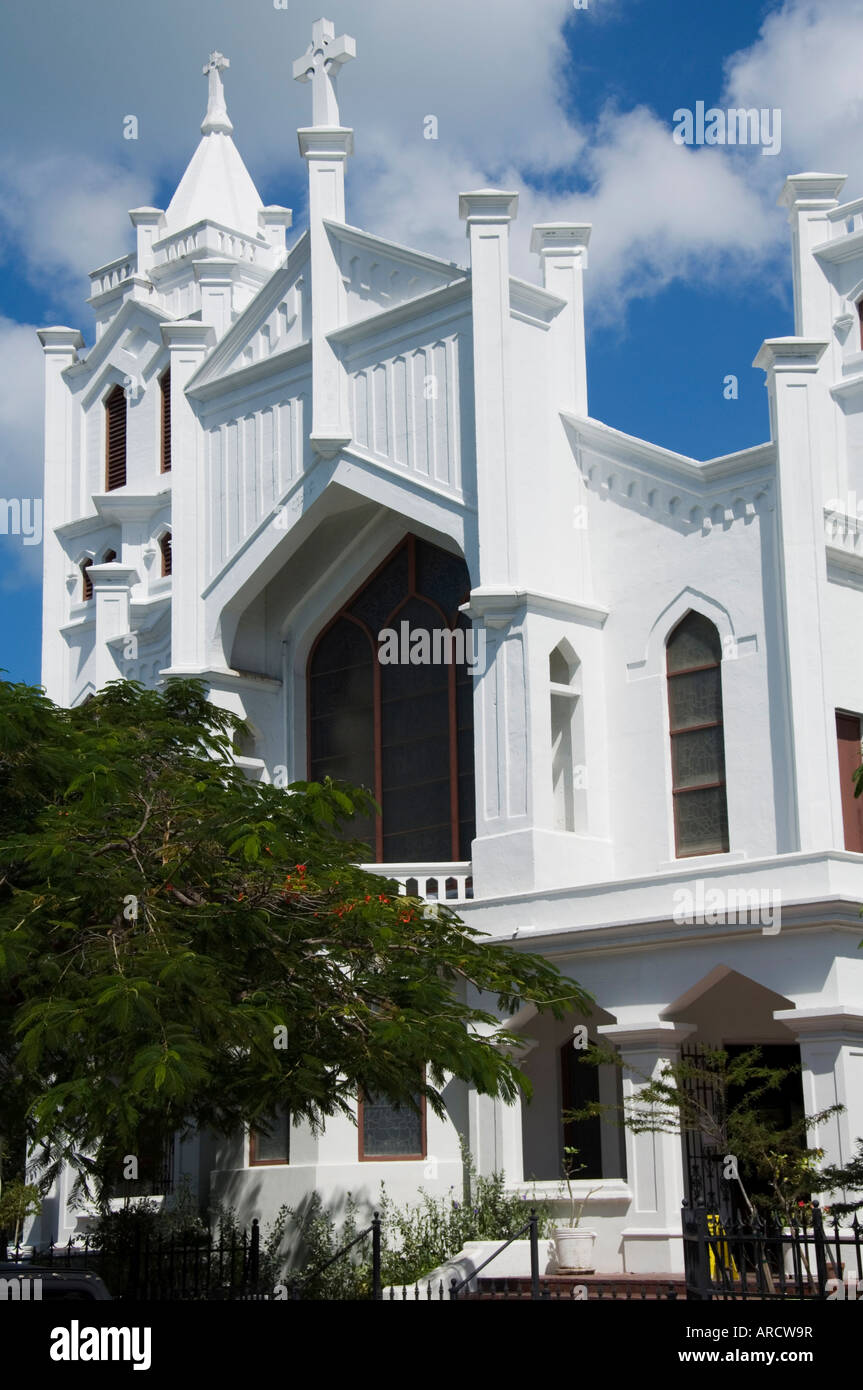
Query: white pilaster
(60, 346)
(809, 198)
(188, 341)
(562, 249)
(791, 365)
(654, 1162)
(831, 1056)
(488, 213)
(326, 152)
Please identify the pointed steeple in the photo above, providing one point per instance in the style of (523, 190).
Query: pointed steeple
(217, 186)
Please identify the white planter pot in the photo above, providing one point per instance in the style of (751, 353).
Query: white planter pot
(573, 1248)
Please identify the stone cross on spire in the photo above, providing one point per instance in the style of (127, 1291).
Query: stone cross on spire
(320, 66)
(217, 118)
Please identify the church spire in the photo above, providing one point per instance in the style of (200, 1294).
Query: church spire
(320, 65)
(217, 118)
(216, 186)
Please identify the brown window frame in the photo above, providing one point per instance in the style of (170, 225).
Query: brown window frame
(165, 418)
(112, 447)
(270, 1162)
(86, 581)
(860, 320)
(166, 549)
(852, 806)
(391, 1158)
(678, 792)
(409, 542)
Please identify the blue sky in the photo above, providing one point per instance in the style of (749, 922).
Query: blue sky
(689, 264)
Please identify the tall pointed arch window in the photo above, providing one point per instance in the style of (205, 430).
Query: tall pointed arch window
(402, 728)
(115, 439)
(165, 550)
(165, 419)
(86, 581)
(694, 666)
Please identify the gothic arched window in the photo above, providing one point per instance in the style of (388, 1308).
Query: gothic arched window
(115, 439)
(694, 664)
(165, 420)
(165, 548)
(394, 712)
(86, 581)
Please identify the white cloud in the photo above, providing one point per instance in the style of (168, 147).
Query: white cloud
(64, 217)
(21, 411)
(807, 62)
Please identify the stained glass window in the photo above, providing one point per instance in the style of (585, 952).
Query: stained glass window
(694, 656)
(391, 1131)
(401, 728)
(272, 1145)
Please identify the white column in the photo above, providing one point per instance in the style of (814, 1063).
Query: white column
(189, 341)
(488, 214)
(326, 153)
(60, 346)
(654, 1162)
(831, 1056)
(562, 249)
(791, 365)
(809, 198)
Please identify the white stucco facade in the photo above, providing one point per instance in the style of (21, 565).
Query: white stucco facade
(327, 400)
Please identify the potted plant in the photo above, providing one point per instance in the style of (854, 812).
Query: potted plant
(573, 1246)
(18, 1200)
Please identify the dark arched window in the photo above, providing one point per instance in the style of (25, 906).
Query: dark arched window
(165, 548)
(86, 581)
(394, 713)
(165, 412)
(694, 661)
(109, 558)
(115, 439)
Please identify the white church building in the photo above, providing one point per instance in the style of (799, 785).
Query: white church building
(269, 456)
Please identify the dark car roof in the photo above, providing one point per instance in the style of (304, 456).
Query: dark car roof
(57, 1283)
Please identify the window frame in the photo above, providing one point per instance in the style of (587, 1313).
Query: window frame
(407, 542)
(255, 1162)
(363, 1157)
(678, 792)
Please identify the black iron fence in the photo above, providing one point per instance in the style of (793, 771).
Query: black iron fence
(763, 1260)
(147, 1265)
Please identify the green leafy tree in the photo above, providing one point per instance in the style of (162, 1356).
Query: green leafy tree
(18, 1200)
(181, 947)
